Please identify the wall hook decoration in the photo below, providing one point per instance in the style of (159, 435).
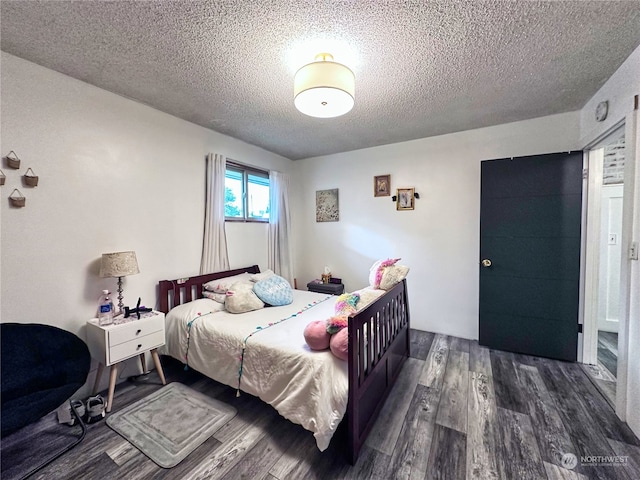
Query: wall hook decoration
(12, 162)
(30, 180)
(17, 199)
(3, 177)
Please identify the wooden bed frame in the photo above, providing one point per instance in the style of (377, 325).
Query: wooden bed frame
(378, 347)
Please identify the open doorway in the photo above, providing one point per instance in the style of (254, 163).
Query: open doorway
(607, 185)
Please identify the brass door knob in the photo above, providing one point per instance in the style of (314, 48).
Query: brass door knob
(486, 263)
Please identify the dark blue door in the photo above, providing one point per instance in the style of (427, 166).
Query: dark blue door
(530, 220)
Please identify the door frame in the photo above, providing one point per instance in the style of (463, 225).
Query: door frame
(594, 159)
(591, 253)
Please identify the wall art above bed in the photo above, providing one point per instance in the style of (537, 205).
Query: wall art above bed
(327, 208)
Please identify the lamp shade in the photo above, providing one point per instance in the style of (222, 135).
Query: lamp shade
(324, 88)
(118, 264)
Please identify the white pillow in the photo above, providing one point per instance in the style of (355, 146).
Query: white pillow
(376, 266)
(218, 297)
(262, 276)
(221, 285)
(196, 308)
(392, 275)
(241, 298)
(367, 296)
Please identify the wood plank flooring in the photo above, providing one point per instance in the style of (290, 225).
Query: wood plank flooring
(604, 373)
(459, 411)
(608, 351)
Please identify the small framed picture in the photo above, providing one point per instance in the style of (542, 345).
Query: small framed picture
(382, 185)
(405, 199)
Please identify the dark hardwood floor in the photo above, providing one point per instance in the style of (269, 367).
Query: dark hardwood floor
(604, 373)
(608, 351)
(458, 411)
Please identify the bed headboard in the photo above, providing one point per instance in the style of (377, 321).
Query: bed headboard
(183, 290)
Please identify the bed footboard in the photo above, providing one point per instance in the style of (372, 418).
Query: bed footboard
(378, 347)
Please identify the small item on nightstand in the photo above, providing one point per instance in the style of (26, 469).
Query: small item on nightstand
(135, 311)
(105, 309)
(326, 276)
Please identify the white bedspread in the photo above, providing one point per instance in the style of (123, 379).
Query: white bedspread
(307, 387)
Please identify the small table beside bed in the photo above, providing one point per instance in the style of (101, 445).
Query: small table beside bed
(264, 353)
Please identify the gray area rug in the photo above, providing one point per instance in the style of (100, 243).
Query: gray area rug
(171, 423)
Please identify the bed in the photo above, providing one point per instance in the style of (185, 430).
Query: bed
(250, 352)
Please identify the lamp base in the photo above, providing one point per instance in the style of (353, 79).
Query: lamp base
(120, 297)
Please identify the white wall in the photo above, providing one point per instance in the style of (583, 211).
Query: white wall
(439, 240)
(114, 175)
(619, 91)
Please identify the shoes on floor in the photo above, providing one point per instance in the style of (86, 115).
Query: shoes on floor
(79, 411)
(66, 412)
(95, 409)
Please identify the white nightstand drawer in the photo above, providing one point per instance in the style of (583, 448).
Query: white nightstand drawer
(135, 329)
(122, 351)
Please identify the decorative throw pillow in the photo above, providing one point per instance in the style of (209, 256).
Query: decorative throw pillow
(316, 335)
(241, 298)
(221, 285)
(392, 275)
(339, 344)
(274, 290)
(262, 276)
(367, 296)
(377, 269)
(218, 297)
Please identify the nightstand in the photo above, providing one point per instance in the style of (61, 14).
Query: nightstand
(330, 288)
(112, 344)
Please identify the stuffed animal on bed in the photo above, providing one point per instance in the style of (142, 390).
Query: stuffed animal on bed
(332, 333)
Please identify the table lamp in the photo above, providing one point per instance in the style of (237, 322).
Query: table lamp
(119, 264)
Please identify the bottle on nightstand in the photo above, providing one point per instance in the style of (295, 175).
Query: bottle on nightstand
(105, 309)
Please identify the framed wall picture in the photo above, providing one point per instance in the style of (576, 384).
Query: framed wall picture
(382, 185)
(405, 199)
(327, 208)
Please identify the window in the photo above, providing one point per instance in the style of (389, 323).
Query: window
(246, 193)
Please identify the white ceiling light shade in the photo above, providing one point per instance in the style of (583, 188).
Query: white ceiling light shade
(324, 88)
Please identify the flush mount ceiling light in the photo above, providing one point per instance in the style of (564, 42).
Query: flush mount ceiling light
(324, 88)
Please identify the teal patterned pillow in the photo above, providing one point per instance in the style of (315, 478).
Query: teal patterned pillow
(274, 290)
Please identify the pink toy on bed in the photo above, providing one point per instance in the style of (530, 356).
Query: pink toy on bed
(340, 344)
(320, 335)
(335, 324)
(316, 335)
(345, 306)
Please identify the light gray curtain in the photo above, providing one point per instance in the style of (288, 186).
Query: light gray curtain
(215, 257)
(280, 257)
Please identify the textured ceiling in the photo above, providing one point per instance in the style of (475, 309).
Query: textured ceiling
(422, 68)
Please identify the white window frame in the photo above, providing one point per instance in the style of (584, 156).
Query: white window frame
(246, 171)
